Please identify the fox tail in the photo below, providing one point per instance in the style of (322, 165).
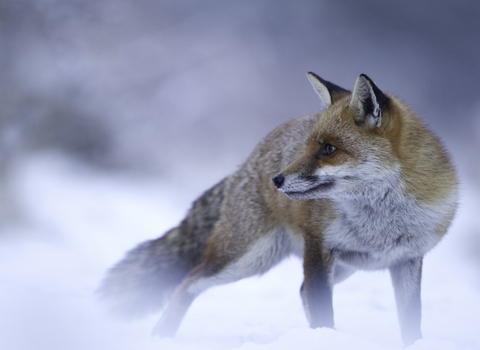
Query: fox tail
(145, 278)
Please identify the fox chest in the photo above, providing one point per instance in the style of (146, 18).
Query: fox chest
(374, 236)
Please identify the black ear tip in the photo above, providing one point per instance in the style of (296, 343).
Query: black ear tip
(366, 78)
(383, 99)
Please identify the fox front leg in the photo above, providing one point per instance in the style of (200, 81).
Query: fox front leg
(406, 279)
(316, 290)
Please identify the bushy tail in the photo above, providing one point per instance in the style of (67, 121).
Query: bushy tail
(145, 278)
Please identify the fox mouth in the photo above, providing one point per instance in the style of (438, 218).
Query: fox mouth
(310, 193)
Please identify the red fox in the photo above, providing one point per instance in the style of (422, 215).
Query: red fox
(363, 185)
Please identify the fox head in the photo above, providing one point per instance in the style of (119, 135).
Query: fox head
(350, 148)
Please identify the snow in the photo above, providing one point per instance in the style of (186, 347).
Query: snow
(78, 221)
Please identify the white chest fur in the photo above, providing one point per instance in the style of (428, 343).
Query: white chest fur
(381, 227)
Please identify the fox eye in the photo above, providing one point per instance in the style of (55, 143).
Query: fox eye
(329, 149)
(326, 149)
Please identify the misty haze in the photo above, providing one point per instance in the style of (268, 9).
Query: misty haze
(116, 115)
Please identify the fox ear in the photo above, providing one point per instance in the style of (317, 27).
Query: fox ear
(368, 102)
(329, 93)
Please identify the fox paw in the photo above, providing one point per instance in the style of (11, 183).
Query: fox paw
(164, 329)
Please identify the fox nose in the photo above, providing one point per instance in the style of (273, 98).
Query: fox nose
(278, 180)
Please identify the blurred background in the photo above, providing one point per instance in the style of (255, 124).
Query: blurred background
(178, 93)
(116, 114)
(184, 90)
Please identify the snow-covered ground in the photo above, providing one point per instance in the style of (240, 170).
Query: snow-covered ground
(79, 221)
